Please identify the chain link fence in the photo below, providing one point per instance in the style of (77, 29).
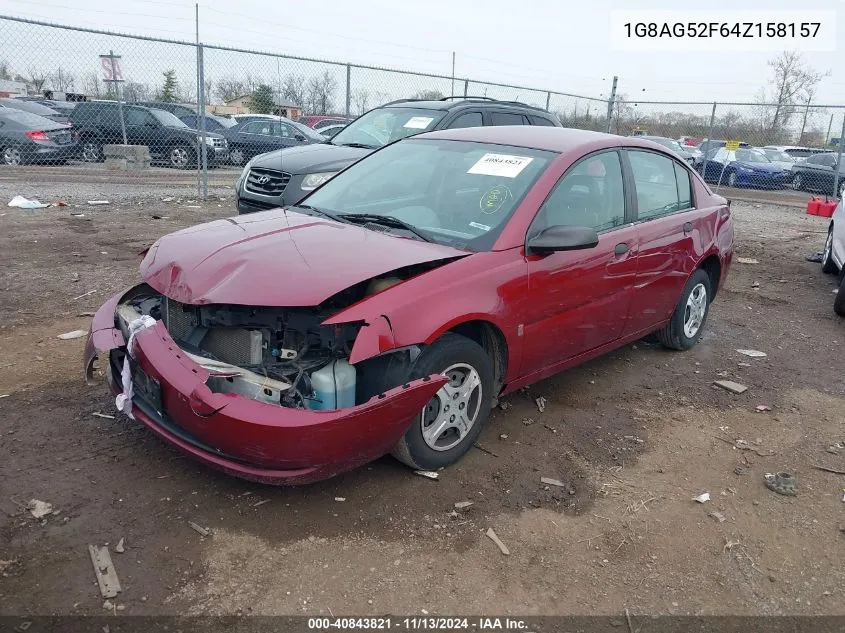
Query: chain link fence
(183, 106)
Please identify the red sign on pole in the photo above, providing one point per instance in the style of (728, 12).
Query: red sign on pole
(111, 67)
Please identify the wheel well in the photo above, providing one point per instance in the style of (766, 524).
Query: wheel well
(713, 267)
(493, 342)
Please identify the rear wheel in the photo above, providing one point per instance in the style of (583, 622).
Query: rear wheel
(452, 420)
(732, 179)
(690, 314)
(180, 157)
(828, 265)
(237, 156)
(12, 156)
(798, 182)
(92, 151)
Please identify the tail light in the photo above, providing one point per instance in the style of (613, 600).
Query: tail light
(34, 135)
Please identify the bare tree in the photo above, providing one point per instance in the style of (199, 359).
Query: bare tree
(320, 91)
(229, 88)
(136, 91)
(295, 90)
(208, 90)
(36, 79)
(91, 85)
(791, 82)
(428, 95)
(61, 80)
(5, 70)
(360, 100)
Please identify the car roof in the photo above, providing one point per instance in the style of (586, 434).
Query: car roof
(448, 103)
(553, 139)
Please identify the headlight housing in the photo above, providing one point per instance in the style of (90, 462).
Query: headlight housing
(312, 181)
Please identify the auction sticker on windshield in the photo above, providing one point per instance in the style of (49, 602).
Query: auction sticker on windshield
(503, 165)
(419, 122)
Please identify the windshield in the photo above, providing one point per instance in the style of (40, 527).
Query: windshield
(307, 132)
(751, 156)
(385, 125)
(777, 155)
(668, 142)
(223, 122)
(166, 118)
(454, 192)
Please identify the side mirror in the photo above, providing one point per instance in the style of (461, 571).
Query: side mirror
(562, 238)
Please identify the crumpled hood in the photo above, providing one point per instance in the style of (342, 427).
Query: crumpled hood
(276, 258)
(312, 158)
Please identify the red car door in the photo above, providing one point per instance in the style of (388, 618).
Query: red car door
(668, 223)
(579, 300)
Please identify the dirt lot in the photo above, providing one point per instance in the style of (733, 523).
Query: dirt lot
(634, 436)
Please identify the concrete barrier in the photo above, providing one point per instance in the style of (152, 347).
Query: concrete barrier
(127, 157)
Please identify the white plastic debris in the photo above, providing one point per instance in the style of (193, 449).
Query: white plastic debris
(20, 202)
(72, 335)
(430, 474)
(340, 498)
(753, 353)
(746, 260)
(702, 498)
(462, 505)
(551, 482)
(39, 509)
(120, 547)
(98, 202)
(493, 537)
(123, 401)
(541, 404)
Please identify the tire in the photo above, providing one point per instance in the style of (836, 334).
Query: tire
(12, 156)
(798, 182)
(237, 156)
(458, 357)
(676, 335)
(841, 191)
(828, 265)
(180, 156)
(732, 179)
(839, 301)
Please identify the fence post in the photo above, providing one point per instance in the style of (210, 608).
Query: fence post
(466, 87)
(610, 104)
(839, 159)
(203, 162)
(709, 137)
(548, 99)
(348, 89)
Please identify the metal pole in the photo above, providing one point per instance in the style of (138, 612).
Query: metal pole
(466, 87)
(453, 73)
(709, 137)
(839, 159)
(117, 93)
(548, 99)
(348, 90)
(201, 140)
(829, 127)
(203, 144)
(804, 121)
(610, 103)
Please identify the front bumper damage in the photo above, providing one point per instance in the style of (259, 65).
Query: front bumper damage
(246, 437)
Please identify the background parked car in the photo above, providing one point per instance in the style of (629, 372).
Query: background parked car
(251, 138)
(286, 176)
(176, 109)
(330, 131)
(706, 145)
(318, 121)
(213, 123)
(62, 107)
(744, 167)
(676, 147)
(170, 141)
(778, 157)
(795, 151)
(817, 173)
(35, 108)
(29, 138)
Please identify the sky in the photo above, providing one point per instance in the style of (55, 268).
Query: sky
(548, 44)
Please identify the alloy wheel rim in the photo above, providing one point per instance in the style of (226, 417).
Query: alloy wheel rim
(695, 310)
(796, 181)
(732, 179)
(236, 156)
(89, 152)
(179, 156)
(450, 415)
(12, 156)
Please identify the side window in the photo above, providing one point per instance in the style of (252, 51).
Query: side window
(538, 120)
(826, 160)
(506, 118)
(813, 160)
(684, 187)
(257, 127)
(467, 119)
(283, 130)
(589, 194)
(192, 120)
(135, 117)
(655, 182)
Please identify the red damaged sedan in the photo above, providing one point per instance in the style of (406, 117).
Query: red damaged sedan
(389, 310)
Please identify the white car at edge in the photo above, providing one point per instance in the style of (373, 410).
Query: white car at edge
(833, 257)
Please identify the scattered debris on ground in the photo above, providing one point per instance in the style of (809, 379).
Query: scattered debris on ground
(39, 509)
(19, 202)
(541, 404)
(504, 406)
(746, 260)
(120, 548)
(552, 482)
(816, 257)
(730, 385)
(340, 499)
(753, 353)
(717, 516)
(104, 571)
(98, 203)
(702, 498)
(67, 336)
(463, 505)
(260, 503)
(429, 474)
(196, 527)
(97, 414)
(781, 483)
(493, 537)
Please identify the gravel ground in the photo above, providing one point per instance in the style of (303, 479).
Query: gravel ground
(634, 436)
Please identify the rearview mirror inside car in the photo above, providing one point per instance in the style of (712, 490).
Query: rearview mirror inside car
(562, 238)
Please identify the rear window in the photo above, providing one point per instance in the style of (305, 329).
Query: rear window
(507, 118)
(538, 120)
(31, 121)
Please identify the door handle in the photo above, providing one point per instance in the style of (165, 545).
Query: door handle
(687, 228)
(620, 249)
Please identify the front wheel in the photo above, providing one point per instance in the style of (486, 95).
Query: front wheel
(12, 156)
(452, 420)
(180, 157)
(690, 314)
(237, 156)
(828, 265)
(732, 179)
(798, 182)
